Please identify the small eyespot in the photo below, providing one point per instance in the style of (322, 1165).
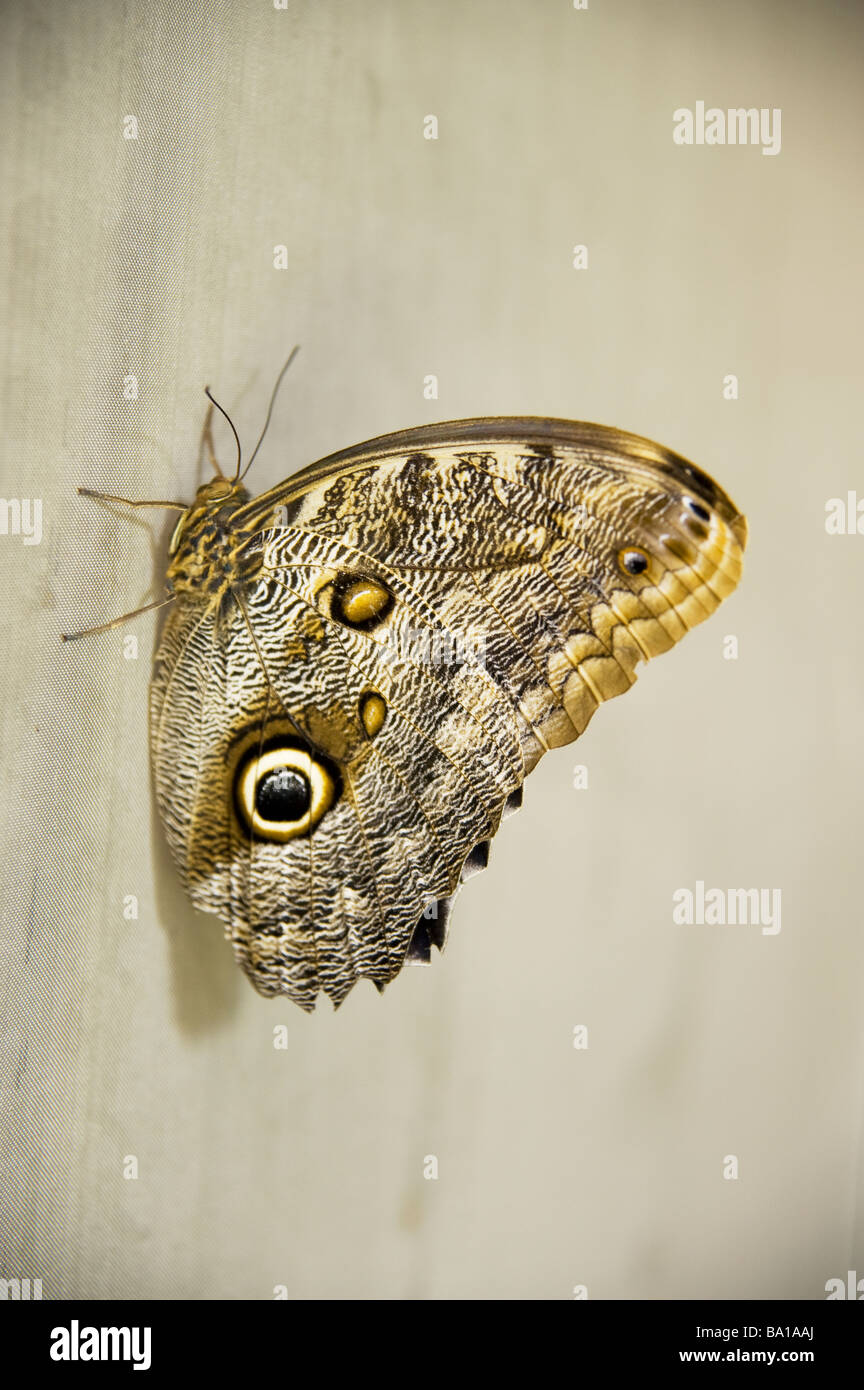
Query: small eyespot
(697, 509)
(283, 793)
(373, 712)
(359, 602)
(633, 560)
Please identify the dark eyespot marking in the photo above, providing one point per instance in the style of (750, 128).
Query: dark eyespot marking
(697, 509)
(282, 795)
(633, 559)
(283, 790)
(359, 602)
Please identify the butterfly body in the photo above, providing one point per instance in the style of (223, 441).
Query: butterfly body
(361, 666)
(205, 557)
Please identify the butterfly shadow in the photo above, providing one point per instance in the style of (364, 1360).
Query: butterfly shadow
(207, 986)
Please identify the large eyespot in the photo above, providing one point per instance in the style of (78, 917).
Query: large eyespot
(283, 792)
(360, 602)
(633, 559)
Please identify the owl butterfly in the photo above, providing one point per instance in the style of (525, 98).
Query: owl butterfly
(360, 667)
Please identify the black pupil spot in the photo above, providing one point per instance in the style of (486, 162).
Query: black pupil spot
(698, 510)
(635, 563)
(282, 795)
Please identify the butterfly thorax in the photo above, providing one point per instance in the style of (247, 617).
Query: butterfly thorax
(210, 553)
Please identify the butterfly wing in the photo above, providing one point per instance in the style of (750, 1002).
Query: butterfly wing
(422, 618)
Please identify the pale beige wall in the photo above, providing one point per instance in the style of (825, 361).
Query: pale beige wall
(558, 1167)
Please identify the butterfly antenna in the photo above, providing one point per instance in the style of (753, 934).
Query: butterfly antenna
(207, 443)
(292, 354)
(211, 397)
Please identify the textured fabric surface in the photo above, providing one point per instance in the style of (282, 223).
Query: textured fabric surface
(127, 1031)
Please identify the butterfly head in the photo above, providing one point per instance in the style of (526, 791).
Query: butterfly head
(215, 499)
(219, 492)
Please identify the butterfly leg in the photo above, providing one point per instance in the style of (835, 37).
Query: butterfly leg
(117, 622)
(132, 502)
(147, 607)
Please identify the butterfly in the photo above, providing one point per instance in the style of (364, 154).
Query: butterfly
(360, 667)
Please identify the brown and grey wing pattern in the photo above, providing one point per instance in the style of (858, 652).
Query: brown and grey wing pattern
(570, 563)
(414, 796)
(432, 612)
